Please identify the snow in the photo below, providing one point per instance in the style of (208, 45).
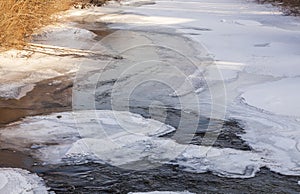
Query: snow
(278, 97)
(74, 37)
(142, 20)
(20, 181)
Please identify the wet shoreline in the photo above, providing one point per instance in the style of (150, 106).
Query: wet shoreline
(48, 96)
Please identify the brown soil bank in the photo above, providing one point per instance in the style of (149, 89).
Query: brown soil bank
(289, 7)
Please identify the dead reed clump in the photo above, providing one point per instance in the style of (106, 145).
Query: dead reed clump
(20, 18)
(289, 7)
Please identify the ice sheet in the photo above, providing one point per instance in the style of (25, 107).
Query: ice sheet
(20, 181)
(279, 97)
(121, 139)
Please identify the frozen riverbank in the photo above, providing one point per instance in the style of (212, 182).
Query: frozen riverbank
(179, 64)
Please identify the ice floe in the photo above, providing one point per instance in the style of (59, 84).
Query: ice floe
(121, 139)
(20, 181)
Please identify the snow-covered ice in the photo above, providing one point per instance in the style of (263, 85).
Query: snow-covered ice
(14, 181)
(20, 70)
(122, 139)
(278, 97)
(73, 37)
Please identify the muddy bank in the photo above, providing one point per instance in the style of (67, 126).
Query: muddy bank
(51, 95)
(15, 159)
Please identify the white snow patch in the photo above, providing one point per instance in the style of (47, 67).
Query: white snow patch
(20, 181)
(279, 97)
(247, 22)
(20, 70)
(142, 20)
(137, 2)
(66, 36)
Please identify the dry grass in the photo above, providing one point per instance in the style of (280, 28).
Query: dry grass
(289, 7)
(20, 18)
